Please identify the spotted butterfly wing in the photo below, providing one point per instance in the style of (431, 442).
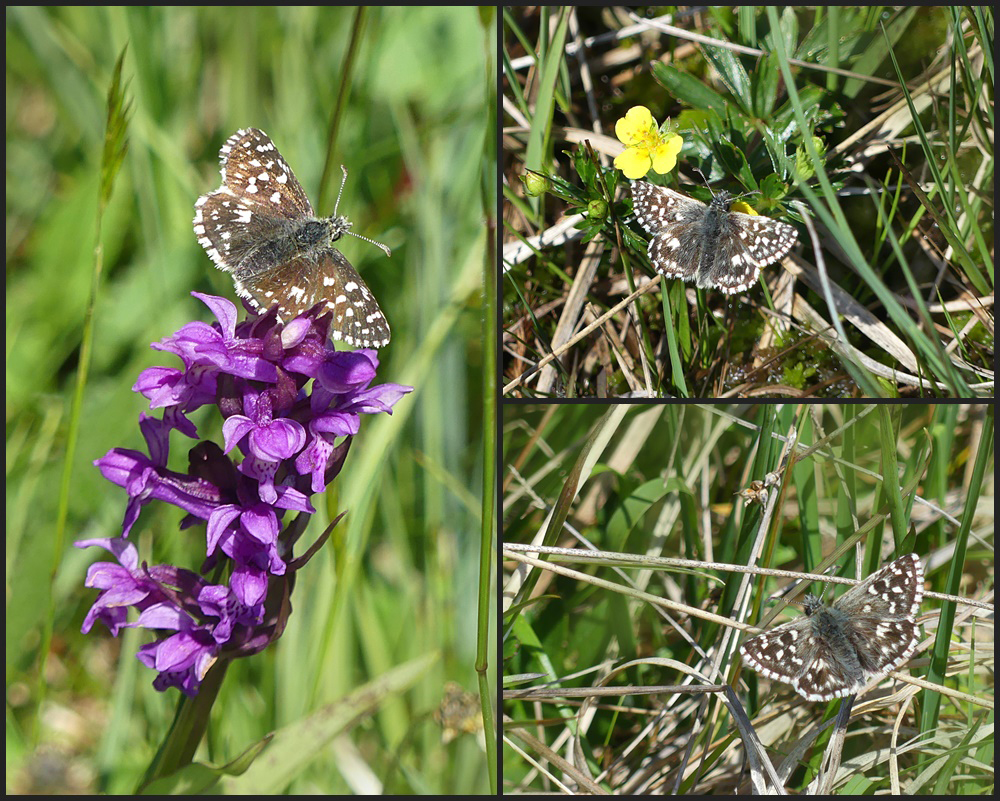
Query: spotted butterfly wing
(318, 276)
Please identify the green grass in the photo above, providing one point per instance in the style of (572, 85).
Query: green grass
(396, 584)
(862, 127)
(650, 492)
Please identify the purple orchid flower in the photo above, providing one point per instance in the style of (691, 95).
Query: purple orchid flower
(257, 375)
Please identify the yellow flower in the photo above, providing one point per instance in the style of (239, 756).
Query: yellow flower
(746, 208)
(646, 147)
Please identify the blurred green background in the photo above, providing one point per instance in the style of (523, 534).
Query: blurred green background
(398, 580)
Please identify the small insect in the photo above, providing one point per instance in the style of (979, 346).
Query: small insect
(755, 493)
(459, 713)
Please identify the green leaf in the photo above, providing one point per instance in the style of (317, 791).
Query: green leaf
(688, 89)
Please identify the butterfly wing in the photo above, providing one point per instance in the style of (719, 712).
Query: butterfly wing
(745, 243)
(674, 222)
(258, 205)
(882, 611)
(321, 276)
(791, 653)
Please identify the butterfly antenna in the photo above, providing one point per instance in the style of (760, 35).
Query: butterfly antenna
(736, 197)
(704, 180)
(385, 248)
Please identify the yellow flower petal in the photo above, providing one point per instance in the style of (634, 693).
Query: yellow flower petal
(635, 126)
(634, 162)
(664, 155)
